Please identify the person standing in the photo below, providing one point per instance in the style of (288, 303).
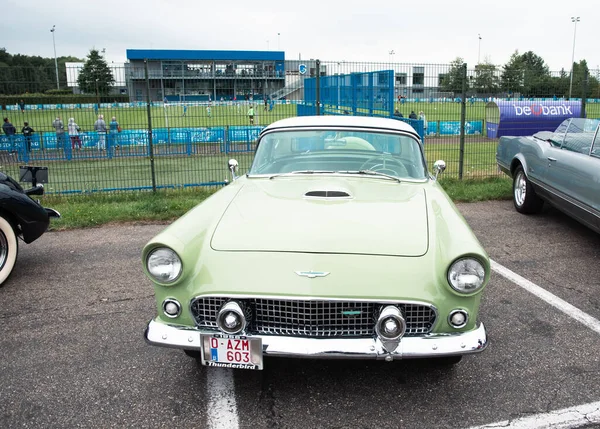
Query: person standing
(424, 119)
(251, 114)
(413, 115)
(22, 106)
(208, 111)
(73, 130)
(100, 128)
(10, 130)
(113, 132)
(28, 134)
(184, 110)
(59, 126)
(266, 104)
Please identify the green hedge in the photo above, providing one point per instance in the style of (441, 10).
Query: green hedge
(60, 99)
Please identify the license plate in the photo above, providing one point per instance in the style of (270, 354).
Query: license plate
(231, 351)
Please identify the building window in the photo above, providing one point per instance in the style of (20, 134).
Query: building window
(418, 75)
(400, 78)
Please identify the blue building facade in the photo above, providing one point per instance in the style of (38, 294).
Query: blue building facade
(202, 75)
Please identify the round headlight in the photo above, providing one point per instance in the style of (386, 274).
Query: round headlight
(466, 275)
(164, 265)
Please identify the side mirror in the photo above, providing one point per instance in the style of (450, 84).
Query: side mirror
(439, 166)
(233, 166)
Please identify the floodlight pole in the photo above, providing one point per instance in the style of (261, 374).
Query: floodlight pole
(479, 48)
(391, 53)
(55, 60)
(575, 20)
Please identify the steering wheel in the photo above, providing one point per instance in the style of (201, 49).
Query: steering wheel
(382, 168)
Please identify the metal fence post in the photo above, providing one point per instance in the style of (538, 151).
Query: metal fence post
(463, 111)
(148, 108)
(584, 85)
(318, 87)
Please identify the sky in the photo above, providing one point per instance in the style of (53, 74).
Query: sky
(426, 32)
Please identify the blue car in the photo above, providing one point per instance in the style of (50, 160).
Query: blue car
(561, 168)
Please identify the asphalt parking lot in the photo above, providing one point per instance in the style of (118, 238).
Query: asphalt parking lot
(72, 352)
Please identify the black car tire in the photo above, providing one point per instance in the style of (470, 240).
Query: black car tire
(525, 199)
(9, 248)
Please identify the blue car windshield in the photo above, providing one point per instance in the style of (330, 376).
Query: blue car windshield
(338, 151)
(577, 134)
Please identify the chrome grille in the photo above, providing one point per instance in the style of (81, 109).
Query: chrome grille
(308, 318)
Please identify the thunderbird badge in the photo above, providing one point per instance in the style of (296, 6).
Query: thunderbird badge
(312, 274)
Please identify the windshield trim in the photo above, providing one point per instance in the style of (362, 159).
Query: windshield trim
(415, 136)
(334, 174)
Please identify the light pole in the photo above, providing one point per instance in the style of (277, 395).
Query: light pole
(268, 46)
(391, 53)
(278, 34)
(55, 60)
(575, 20)
(479, 48)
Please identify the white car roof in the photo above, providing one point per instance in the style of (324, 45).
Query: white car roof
(342, 121)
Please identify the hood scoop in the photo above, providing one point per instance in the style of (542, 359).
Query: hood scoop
(327, 194)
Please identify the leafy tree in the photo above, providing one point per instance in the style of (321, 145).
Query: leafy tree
(453, 80)
(95, 77)
(24, 73)
(527, 74)
(486, 79)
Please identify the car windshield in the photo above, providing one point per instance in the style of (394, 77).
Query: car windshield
(576, 134)
(368, 153)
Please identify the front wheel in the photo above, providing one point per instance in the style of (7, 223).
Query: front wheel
(524, 196)
(9, 248)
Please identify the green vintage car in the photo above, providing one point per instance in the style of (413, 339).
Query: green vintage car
(336, 243)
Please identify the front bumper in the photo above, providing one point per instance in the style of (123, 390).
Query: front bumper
(432, 345)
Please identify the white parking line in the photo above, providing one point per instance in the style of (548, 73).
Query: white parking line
(543, 294)
(573, 417)
(221, 407)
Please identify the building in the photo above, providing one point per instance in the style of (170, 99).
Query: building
(192, 75)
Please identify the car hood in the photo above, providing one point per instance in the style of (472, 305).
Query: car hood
(370, 216)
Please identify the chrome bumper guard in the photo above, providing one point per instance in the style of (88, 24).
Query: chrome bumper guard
(427, 346)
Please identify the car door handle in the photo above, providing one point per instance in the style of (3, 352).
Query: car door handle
(551, 159)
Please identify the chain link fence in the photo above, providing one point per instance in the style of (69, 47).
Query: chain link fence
(175, 124)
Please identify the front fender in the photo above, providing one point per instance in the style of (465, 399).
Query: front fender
(29, 218)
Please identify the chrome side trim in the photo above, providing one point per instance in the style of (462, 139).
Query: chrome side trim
(566, 198)
(432, 345)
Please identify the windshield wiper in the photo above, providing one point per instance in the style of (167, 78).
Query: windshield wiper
(371, 173)
(302, 172)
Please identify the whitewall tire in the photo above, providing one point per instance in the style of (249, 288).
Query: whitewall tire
(9, 248)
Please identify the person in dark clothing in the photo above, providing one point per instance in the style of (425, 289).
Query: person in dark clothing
(22, 106)
(398, 114)
(10, 130)
(28, 134)
(413, 115)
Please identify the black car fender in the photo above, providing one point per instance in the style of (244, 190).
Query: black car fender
(29, 219)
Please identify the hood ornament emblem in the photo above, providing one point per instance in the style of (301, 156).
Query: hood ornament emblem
(312, 274)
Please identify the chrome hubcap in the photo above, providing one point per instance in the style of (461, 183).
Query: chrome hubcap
(3, 249)
(520, 190)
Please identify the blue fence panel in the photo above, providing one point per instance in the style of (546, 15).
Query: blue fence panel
(241, 134)
(452, 128)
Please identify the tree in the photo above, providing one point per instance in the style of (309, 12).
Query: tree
(527, 74)
(453, 80)
(95, 76)
(486, 80)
